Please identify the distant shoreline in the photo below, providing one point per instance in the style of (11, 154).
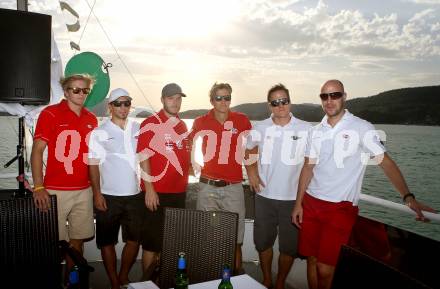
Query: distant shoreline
(405, 106)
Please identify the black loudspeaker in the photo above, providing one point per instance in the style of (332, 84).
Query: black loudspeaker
(25, 57)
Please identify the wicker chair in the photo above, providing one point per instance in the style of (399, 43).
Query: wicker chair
(30, 253)
(207, 238)
(29, 244)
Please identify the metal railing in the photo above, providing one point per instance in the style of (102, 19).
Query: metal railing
(396, 206)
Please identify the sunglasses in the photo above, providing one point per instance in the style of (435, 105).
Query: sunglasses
(332, 95)
(126, 103)
(220, 98)
(77, 90)
(280, 101)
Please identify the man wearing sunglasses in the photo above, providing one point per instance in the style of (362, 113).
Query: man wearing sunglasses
(164, 154)
(113, 168)
(63, 129)
(279, 142)
(220, 184)
(337, 153)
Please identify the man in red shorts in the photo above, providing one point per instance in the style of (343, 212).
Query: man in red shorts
(223, 132)
(338, 150)
(63, 128)
(164, 153)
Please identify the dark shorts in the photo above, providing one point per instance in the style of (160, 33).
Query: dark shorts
(272, 218)
(152, 228)
(325, 228)
(122, 211)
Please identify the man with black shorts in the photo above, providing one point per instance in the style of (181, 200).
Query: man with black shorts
(278, 143)
(164, 159)
(113, 169)
(338, 151)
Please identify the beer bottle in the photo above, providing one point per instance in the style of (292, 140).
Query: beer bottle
(226, 278)
(74, 278)
(181, 275)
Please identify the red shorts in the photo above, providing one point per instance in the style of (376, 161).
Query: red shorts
(325, 228)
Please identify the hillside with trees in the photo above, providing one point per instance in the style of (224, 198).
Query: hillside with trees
(416, 105)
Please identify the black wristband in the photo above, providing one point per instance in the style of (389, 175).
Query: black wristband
(408, 195)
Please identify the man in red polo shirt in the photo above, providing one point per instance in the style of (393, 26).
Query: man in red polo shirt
(223, 133)
(164, 159)
(63, 128)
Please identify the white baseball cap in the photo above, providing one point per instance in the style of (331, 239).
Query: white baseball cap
(117, 93)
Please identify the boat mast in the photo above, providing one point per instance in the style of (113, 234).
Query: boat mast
(22, 5)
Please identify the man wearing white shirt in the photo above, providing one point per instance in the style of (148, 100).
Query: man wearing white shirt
(279, 142)
(113, 169)
(338, 150)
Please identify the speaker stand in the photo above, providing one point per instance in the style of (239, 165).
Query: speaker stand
(22, 191)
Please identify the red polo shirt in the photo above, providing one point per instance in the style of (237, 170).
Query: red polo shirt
(220, 145)
(165, 142)
(66, 136)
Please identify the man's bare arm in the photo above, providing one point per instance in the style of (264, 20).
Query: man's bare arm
(304, 181)
(95, 181)
(395, 176)
(41, 196)
(251, 166)
(151, 197)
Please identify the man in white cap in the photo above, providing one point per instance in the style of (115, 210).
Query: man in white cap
(113, 170)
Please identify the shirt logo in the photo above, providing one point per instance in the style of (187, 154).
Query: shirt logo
(233, 130)
(168, 142)
(295, 137)
(179, 144)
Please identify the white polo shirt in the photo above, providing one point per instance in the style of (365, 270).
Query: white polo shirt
(116, 150)
(281, 155)
(341, 154)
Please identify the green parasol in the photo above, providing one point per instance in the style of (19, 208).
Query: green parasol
(92, 64)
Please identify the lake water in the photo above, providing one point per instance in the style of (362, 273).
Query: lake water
(416, 149)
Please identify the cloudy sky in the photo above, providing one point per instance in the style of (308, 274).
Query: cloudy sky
(372, 46)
